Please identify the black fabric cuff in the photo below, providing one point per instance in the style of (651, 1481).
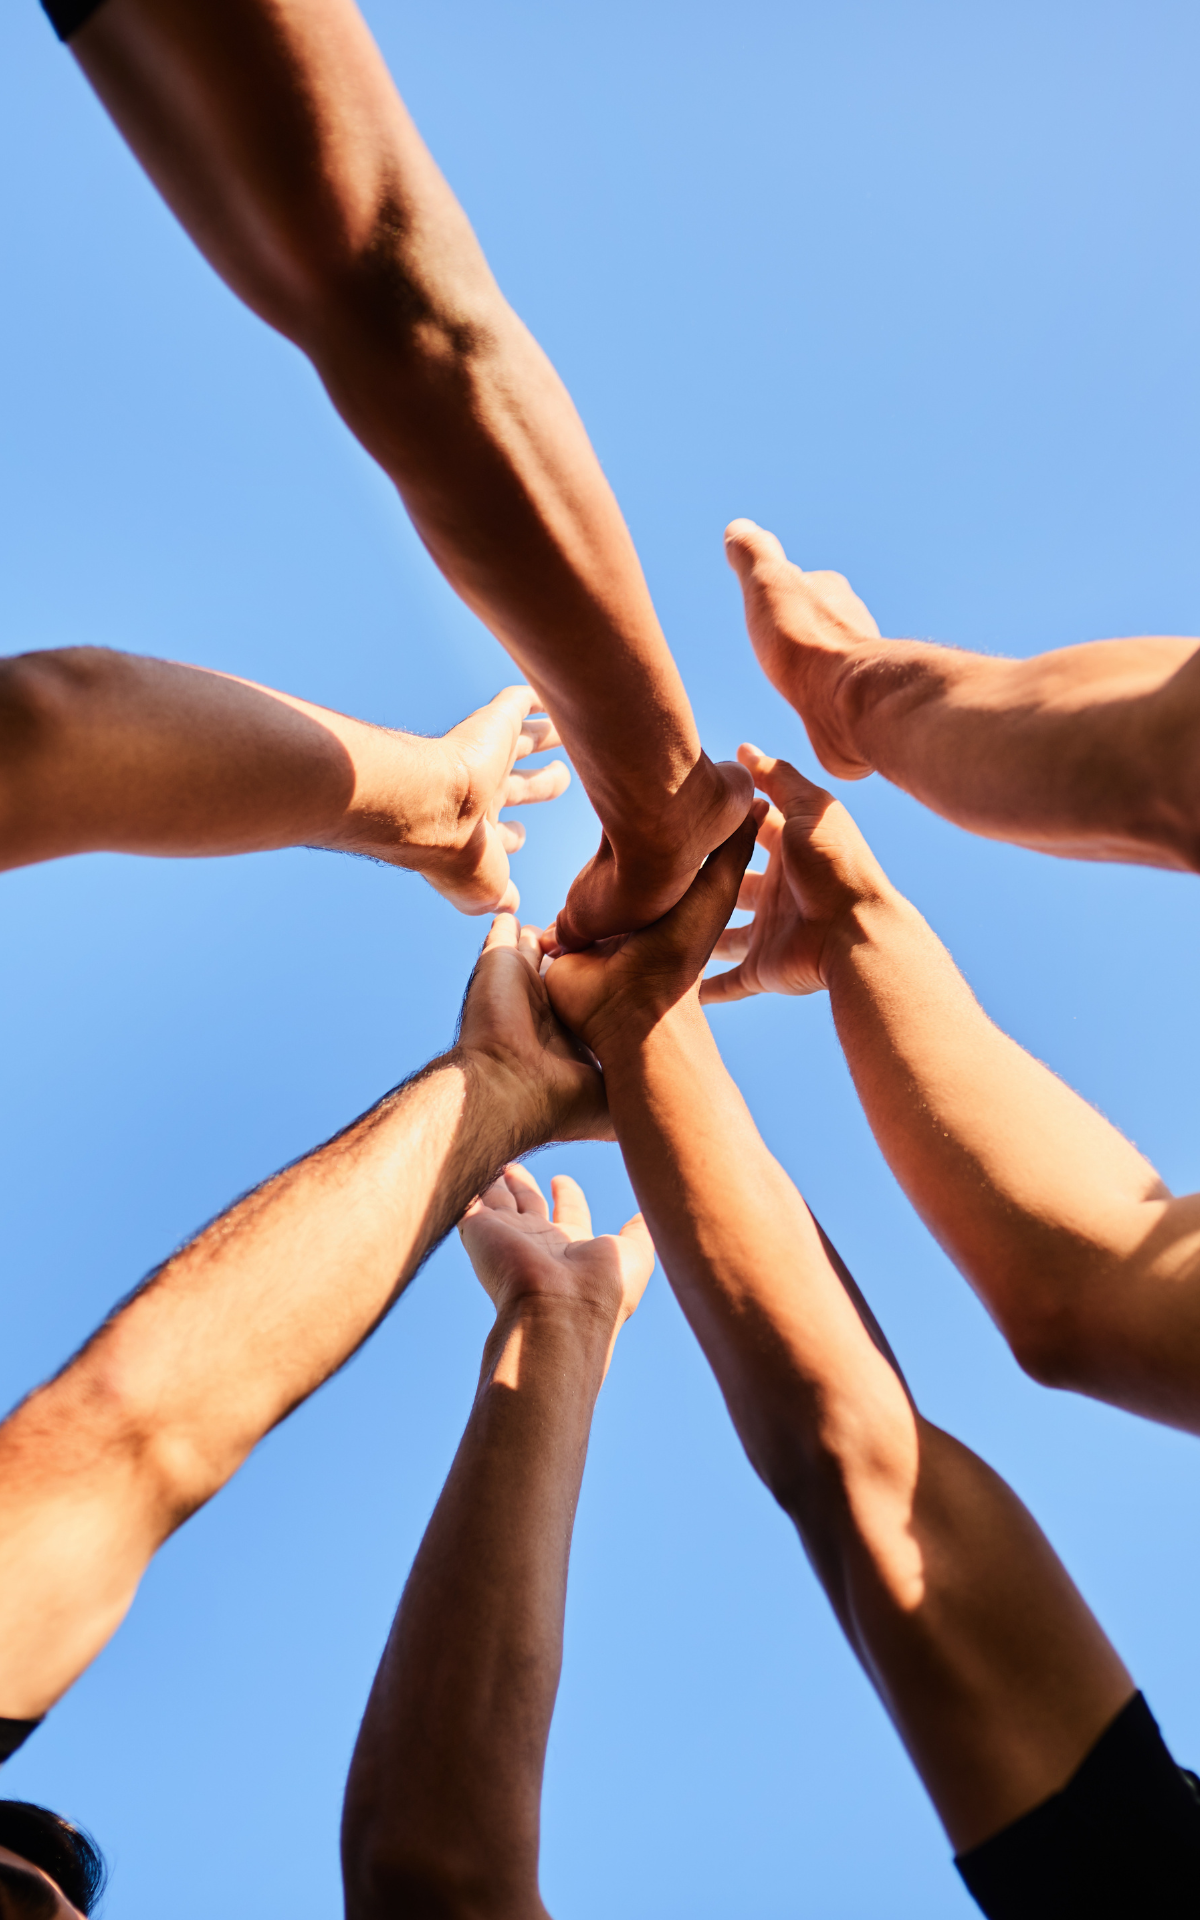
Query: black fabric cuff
(1121, 1838)
(14, 1734)
(65, 17)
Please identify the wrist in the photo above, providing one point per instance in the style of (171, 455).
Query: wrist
(408, 802)
(868, 922)
(575, 1333)
(506, 1099)
(632, 1032)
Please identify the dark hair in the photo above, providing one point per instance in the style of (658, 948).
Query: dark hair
(65, 1852)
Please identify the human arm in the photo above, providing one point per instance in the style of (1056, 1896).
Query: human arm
(444, 1795)
(1088, 752)
(111, 751)
(1086, 1261)
(276, 135)
(996, 1675)
(165, 1401)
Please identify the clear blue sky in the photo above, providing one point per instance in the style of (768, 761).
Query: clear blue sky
(914, 285)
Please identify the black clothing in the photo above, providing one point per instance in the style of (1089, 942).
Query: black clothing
(14, 1734)
(1120, 1842)
(67, 15)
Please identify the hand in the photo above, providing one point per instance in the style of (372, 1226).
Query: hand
(809, 631)
(819, 870)
(624, 986)
(460, 844)
(509, 1028)
(519, 1252)
(637, 877)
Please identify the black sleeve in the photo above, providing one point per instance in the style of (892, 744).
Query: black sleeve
(14, 1734)
(1120, 1842)
(67, 15)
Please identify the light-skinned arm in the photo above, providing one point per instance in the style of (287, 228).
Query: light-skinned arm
(160, 1408)
(996, 1675)
(277, 137)
(1089, 752)
(1084, 1258)
(106, 751)
(443, 1802)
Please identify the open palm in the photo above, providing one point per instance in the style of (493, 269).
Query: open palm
(519, 1249)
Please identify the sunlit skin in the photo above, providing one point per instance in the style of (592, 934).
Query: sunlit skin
(1088, 752)
(160, 1408)
(276, 135)
(105, 751)
(995, 1673)
(26, 1893)
(444, 1796)
(1083, 1256)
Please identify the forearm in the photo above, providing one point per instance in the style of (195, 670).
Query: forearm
(994, 1672)
(170, 1396)
(742, 1251)
(112, 751)
(442, 1802)
(279, 140)
(1063, 1228)
(1087, 752)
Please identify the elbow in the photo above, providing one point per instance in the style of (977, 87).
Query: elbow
(122, 1413)
(417, 1850)
(397, 1882)
(1046, 1341)
(40, 694)
(389, 303)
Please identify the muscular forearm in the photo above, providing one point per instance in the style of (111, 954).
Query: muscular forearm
(111, 751)
(278, 138)
(742, 1250)
(442, 1803)
(1066, 1232)
(167, 1400)
(989, 1663)
(1088, 752)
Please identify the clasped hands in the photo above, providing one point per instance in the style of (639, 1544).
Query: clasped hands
(543, 1030)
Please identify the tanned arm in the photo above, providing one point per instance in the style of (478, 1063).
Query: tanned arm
(996, 1675)
(276, 135)
(1087, 1262)
(164, 1403)
(105, 751)
(1089, 752)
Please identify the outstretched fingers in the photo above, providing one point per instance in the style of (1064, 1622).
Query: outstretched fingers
(538, 733)
(544, 783)
(571, 1210)
(498, 1198)
(792, 795)
(733, 944)
(527, 1195)
(718, 988)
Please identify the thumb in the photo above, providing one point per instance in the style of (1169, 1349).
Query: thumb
(796, 797)
(751, 551)
(489, 737)
(704, 911)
